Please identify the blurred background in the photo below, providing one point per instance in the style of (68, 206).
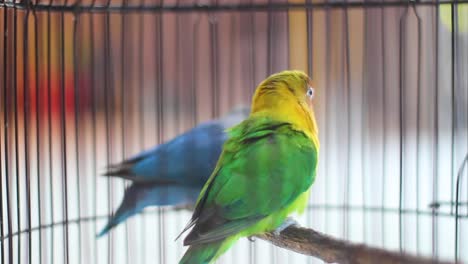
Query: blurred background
(89, 83)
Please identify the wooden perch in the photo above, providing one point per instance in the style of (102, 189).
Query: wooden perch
(331, 250)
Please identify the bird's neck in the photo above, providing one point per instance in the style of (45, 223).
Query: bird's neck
(289, 110)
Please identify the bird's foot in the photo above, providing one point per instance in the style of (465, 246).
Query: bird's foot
(287, 223)
(251, 239)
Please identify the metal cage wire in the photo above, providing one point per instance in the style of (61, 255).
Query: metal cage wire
(89, 83)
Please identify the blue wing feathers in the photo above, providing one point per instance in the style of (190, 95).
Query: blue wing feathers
(172, 173)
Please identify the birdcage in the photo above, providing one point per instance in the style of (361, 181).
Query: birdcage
(88, 83)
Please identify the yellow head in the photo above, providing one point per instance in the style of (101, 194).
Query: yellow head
(287, 96)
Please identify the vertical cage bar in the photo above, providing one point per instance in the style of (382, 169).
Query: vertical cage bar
(160, 119)
(93, 127)
(310, 41)
(363, 129)
(310, 70)
(252, 75)
(348, 93)
(15, 107)
(159, 100)
(384, 124)
(452, 136)
(124, 102)
(251, 51)
(177, 93)
(435, 158)
(215, 89)
(402, 126)
(26, 111)
(161, 213)
(38, 133)
(457, 205)
(76, 20)
(231, 59)
(107, 65)
(141, 88)
(418, 127)
(454, 38)
(122, 93)
(270, 40)
(2, 239)
(2, 235)
(325, 93)
(455, 81)
(194, 82)
(5, 133)
(64, 137)
(161, 122)
(49, 131)
(194, 63)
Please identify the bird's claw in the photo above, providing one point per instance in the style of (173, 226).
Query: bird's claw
(287, 223)
(251, 239)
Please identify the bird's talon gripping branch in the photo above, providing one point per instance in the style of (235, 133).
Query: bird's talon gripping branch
(287, 223)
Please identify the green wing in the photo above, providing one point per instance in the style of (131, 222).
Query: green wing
(265, 166)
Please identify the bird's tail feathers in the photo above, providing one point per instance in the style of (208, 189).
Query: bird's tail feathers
(119, 169)
(119, 217)
(106, 229)
(123, 170)
(202, 253)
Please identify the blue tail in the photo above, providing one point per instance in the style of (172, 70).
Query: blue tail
(138, 196)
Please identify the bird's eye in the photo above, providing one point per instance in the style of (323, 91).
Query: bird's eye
(310, 92)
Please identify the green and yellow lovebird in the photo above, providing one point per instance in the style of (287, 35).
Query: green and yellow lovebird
(265, 170)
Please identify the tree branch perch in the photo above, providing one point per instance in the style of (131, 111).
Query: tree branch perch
(309, 242)
(331, 250)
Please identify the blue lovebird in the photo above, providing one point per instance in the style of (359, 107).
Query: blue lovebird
(172, 173)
